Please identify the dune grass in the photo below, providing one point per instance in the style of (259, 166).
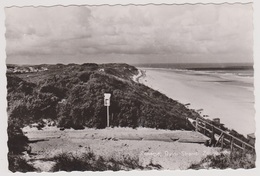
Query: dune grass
(84, 162)
(90, 162)
(234, 160)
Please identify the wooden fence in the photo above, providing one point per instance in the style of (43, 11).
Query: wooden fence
(222, 137)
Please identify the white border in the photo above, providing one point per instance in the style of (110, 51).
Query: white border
(112, 2)
(3, 104)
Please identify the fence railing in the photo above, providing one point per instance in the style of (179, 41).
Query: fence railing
(222, 137)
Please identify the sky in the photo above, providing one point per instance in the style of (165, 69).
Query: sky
(131, 34)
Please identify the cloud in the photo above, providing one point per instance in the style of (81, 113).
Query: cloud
(156, 30)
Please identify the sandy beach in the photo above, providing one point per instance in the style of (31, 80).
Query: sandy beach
(227, 97)
(163, 147)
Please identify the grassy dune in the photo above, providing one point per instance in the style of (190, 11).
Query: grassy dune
(72, 96)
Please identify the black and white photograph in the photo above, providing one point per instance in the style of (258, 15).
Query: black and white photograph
(128, 87)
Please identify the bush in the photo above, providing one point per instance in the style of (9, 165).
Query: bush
(17, 142)
(19, 164)
(235, 160)
(90, 162)
(59, 92)
(85, 76)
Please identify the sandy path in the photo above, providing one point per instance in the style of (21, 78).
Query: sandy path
(229, 101)
(119, 142)
(138, 76)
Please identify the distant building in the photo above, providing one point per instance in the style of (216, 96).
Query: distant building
(25, 69)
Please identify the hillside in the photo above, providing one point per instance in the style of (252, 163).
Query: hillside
(71, 96)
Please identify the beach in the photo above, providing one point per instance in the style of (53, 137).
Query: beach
(225, 96)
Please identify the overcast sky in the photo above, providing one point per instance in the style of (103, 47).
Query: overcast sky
(132, 34)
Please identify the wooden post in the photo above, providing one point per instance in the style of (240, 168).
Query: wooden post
(212, 132)
(204, 131)
(232, 144)
(213, 136)
(244, 148)
(222, 141)
(107, 116)
(197, 121)
(220, 138)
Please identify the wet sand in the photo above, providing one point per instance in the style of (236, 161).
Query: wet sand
(227, 97)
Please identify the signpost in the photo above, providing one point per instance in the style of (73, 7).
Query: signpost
(107, 104)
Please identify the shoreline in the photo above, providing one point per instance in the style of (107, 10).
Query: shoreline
(158, 77)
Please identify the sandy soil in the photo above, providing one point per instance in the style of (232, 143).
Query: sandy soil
(137, 77)
(159, 146)
(229, 98)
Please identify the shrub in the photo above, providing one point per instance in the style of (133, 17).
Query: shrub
(235, 160)
(19, 164)
(59, 92)
(90, 162)
(85, 76)
(17, 142)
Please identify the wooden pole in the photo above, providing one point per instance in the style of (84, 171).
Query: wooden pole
(232, 144)
(213, 136)
(220, 138)
(222, 141)
(197, 120)
(107, 116)
(244, 148)
(204, 129)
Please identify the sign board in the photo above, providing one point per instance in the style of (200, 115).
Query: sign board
(107, 102)
(107, 99)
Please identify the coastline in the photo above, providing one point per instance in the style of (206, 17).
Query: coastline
(217, 97)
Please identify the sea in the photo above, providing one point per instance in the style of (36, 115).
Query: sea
(225, 90)
(238, 69)
(240, 74)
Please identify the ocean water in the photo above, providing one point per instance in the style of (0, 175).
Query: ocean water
(222, 91)
(240, 74)
(238, 69)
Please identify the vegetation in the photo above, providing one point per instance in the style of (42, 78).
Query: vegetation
(234, 160)
(85, 162)
(19, 164)
(72, 96)
(17, 142)
(90, 162)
